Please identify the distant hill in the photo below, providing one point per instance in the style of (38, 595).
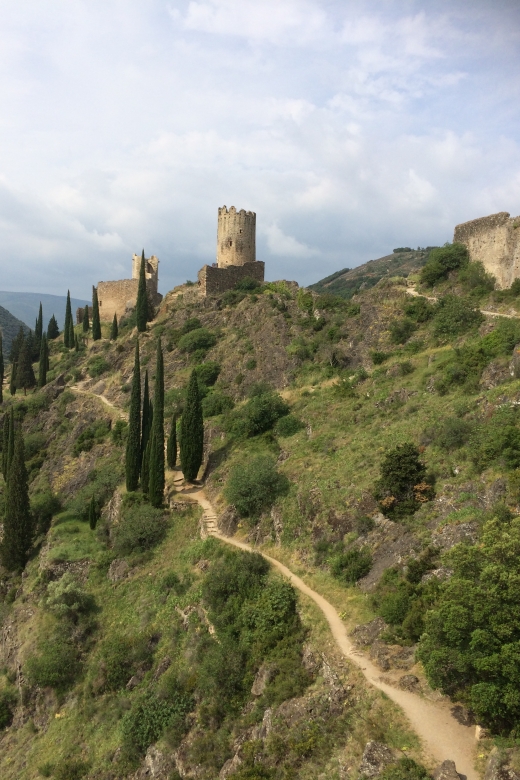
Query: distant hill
(348, 282)
(10, 327)
(25, 306)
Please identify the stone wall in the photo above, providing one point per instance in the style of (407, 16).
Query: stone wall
(236, 237)
(495, 242)
(116, 298)
(213, 281)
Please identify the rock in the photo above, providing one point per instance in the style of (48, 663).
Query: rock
(498, 766)
(449, 535)
(310, 660)
(230, 767)
(264, 729)
(496, 373)
(481, 733)
(203, 564)
(133, 682)
(462, 715)
(409, 682)
(376, 757)
(514, 366)
(111, 512)
(446, 771)
(163, 666)
(118, 570)
(263, 678)
(404, 658)
(156, 765)
(367, 633)
(228, 521)
(443, 573)
(379, 653)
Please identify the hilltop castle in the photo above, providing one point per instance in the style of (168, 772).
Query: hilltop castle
(495, 242)
(121, 296)
(236, 253)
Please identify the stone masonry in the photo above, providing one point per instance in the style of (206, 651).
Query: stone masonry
(120, 297)
(495, 242)
(236, 253)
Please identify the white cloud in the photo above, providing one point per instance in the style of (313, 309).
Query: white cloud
(281, 245)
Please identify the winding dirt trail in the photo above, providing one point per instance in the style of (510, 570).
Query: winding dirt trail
(441, 735)
(102, 398)
(486, 312)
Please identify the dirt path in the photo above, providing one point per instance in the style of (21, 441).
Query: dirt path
(81, 391)
(441, 735)
(412, 291)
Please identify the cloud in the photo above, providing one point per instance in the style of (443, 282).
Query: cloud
(282, 245)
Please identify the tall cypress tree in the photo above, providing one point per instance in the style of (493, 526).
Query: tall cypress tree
(38, 330)
(25, 378)
(156, 487)
(146, 416)
(2, 369)
(145, 468)
(68, 330)
(18, 525)
(96, 324)
(133, 442)
(114, 331)
(12, 378)
(93, 513)
(171, 446)
(52, 329)
(5, 445)
(10, 444)
(192, 431)
(86, 320)
(141, 306)
(16, 345)
(44, 362)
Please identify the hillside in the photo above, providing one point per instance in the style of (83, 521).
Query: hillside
(348, 282)
(144, 647)
(25, 306)
(10, 327)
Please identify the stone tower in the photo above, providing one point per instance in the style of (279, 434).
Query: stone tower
(151, 271)
(236, 237)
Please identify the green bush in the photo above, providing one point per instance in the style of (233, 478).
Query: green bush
(141, 528)
(7, 704)
(34, 443)
(257, 415)
(451, 433)
(247, 284)
(198, 339)
(497, 440)
(207, 373)
(149, 716)
(119, 657)
(352, 565)
(97, 365)
(55, 665)
(43, 507)
(254, 486)
(455, 316)
(93, 434)
(419, 309)
(378, 357)
(119, 432)
(288, 426)
(192, 323)
(216, 403)
(404, 769)
(71, 769)
(442, 260)
(476, 279)
(401, 330)
(67, 598)
(403, 485)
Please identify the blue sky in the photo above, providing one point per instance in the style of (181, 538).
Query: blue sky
(349, 127)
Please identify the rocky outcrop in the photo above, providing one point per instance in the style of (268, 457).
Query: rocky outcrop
(446, 771)
(499, 766)
(376, 757)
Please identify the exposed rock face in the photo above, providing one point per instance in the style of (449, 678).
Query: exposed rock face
(496, 373)
(367, 633)
(118, 570)
(376, 757)
(409, 682)
(156, 765)
(262, 679)
(449, 535)
(446, 771)
(498, 766)
(228, 521)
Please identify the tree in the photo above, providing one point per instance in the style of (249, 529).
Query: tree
(171, 446)
(2, 369)
(16, 345)
(44, 362)
(254, 486)
(5, 445)
(192, 431)
(442, 260)
(93, 514)
(403, 484)
(114, 332)
(12, 378)
(96, 324)
(156, 486)
(133, 443)
(86, 320)
(145, 467)
(68, 330)
(38, 331)
(18, 525)
(141, 306)
(52, 329)
(9, 446)
(24, 371)
(147, 416)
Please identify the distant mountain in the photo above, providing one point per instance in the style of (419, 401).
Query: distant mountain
(348, 282)
(10, 327)
(25, 306)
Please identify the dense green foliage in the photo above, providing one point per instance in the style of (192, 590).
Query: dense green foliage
(198, 339)
(455, 316)
(18, 522)
(215, 403)
(171, 446)
(68, 330)
(54, 665)
(52, 329)
(403, 485)
(192, 431)
(141, 528)
(442, 260)
(133, 442)
(352, 565)
(96, 322)
(156, 479)
(254, 486)
(86, 319)
(114, 330)
(142, 305)
(257, 415)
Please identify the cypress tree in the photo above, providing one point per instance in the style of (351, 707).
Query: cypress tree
(86, 321)
(145, 468)
(2, 369)
(38, 330)
(16, 345)
(141, 306)
(156, 486)
(192, 431)
(12, 379)
(44, 361)
(114, 332)
(93, 514)
(133, 442)
(18, 525)
(171, 446)
(52, 329)
(68, 331)
(5, 445)
(96, 324)
(76, 343)
(24, 371)
(146, 417)
(10, 444)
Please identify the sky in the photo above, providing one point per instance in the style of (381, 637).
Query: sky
(349, 127)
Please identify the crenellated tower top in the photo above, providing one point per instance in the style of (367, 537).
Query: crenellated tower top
(236, 237)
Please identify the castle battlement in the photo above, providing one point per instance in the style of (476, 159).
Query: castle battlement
(495, 242)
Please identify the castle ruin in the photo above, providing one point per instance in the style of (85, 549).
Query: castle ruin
(236, 253)
(120, 297)
(495, 242)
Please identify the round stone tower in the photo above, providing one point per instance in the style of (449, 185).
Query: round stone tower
(236, 237)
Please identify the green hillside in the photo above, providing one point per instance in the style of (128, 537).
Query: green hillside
(25, 306)
(10, 326)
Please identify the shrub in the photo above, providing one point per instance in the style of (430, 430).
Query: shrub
(452, 433)
(33, 444)
(497, 440)
(141, 528)
(251, 364)
(198, 339)
(455, 316)
(257, 415)
(401, 330)
(247, 284)
(402, 487)
(379, 357)
(364, 525)
(475, 278)
(66, 598)
(71, 769)
(207, 373)
(404, 769)
(352, 565)
(119, 657)
(192, 323)
(150, 716)
(7, 705)
(54, 666)
(419, 309)
(119, 432)
(216, 403)
(93, 434)
(43, 507)
(442, 260)
(97, 366)
(288, 425)
(255, 486)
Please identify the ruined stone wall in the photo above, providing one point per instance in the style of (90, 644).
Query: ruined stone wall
(151, 271)
(115, 298)
(495, 242)
(236, 237)
(213, 281)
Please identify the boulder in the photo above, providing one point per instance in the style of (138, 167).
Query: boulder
(367, 633)
(263, 678)
(409, 682)
(446, 771)
(376, 757)
(499, 766)
(118, 570)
